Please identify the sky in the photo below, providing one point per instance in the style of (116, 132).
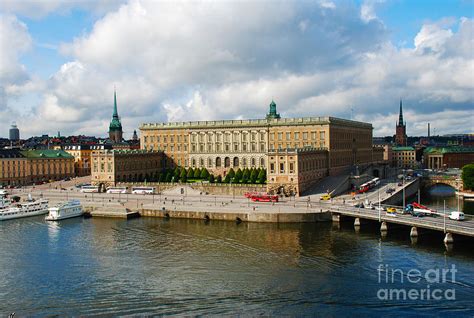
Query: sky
(204, 60)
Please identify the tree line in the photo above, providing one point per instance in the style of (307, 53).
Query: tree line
(181, 174)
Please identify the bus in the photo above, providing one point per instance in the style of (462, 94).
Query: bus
(143, 190)
(264, 198)
(117, 190)
(90, 189)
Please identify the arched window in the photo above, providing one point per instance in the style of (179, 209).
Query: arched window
(253, 162)
(193, 162)
(227, 162)
(236, 161)
(262, 162)
(209, 162)
(201, 162)
(244, 162)
(218, 162)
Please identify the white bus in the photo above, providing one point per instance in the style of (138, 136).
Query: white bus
(117, 190)
(90, 189)
(143, 190)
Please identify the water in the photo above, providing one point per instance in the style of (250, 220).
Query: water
(434, 197)
(187, 267)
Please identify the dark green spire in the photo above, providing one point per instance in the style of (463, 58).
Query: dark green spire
(273, 111)
(115, 123)
(400, 116)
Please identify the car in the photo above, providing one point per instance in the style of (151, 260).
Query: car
(390, 190)
(359, 205)
(325, 197)
(391, 210)
(400, 184)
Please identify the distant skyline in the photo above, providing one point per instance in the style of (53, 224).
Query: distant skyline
(181, 60)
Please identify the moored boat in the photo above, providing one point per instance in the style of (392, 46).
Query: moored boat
(65, 210)
(23, 209)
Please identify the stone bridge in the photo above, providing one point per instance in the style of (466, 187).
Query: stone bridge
(452, 181)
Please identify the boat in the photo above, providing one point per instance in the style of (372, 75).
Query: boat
(24, 209)
(65, 210)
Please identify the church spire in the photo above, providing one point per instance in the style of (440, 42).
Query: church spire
(115, 114)
(400, 116)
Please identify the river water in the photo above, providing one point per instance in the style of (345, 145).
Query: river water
(189, 267)
(435, 198)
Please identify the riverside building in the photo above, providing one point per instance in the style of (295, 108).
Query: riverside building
(219, 145)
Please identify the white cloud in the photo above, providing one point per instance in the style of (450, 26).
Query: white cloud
(219, 60)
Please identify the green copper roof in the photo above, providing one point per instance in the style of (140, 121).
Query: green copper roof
(115, 123)
(46, 154)
(403, 149)
(443, 150)
(273, 111)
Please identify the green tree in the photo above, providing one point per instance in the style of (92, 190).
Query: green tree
(169, 176)
(190, 173)
(238, 176)
(211, 178)
(262, 176)
(183, 175)
(245, 175)
(176, 173)
(219, 179)
(197, 173)
(253, 176)
(227, 178)
(468, 176)
(204, 174)
(231, 173)
(161, 177)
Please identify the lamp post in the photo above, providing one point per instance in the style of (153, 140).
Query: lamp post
(403, 189)
(444, 215)
(380, 208)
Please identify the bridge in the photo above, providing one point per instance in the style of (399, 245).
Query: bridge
(450, 180)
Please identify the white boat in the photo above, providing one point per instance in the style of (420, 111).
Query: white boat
(65, 210)
(23, 209)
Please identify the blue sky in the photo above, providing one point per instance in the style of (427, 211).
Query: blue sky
(207, 60)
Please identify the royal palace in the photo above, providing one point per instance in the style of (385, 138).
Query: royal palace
(295, 151)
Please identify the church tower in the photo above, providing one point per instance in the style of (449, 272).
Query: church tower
(401, 132)
(115, 128)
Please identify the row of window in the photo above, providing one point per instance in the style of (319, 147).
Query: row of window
(289, 136)
(227, 162)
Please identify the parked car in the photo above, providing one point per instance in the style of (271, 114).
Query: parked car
(391, 210)
(325, 197)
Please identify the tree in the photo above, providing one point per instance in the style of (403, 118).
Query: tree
(204, 174)
(231, 173)
(238, 176)
(211, 178)
(190, 173)
(253, 176)
(176, 173)
(169, 176)
(262, 176)
(161, 177)
(197, 173)
(219, 179)
(245, 175)
(227, 178)
(468, 176)
(183, 175)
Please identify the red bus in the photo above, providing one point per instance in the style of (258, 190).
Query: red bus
(264, 198)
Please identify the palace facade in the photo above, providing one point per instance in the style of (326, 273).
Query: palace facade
(219, 145)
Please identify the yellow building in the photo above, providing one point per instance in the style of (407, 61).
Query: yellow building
(112, 166)
(404, 157)
(82, 156)
(223, 144)
(30, 166)
(293, 171)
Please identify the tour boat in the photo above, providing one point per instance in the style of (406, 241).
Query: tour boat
(23, 209)
(65, 210)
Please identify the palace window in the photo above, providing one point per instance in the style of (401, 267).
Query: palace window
(288, 135)
(305, 135)
(280, 136)
(297, 135)
(282, 168)
(272, 168)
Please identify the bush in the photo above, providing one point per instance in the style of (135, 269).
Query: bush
(245, 176)
(231, 173)
(161, 177)
(219, 179)
(468, 176)
(169, 176)
(183, 176)
(227, 178)
(211, 178)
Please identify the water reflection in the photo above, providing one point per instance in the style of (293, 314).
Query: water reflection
(435, 196)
